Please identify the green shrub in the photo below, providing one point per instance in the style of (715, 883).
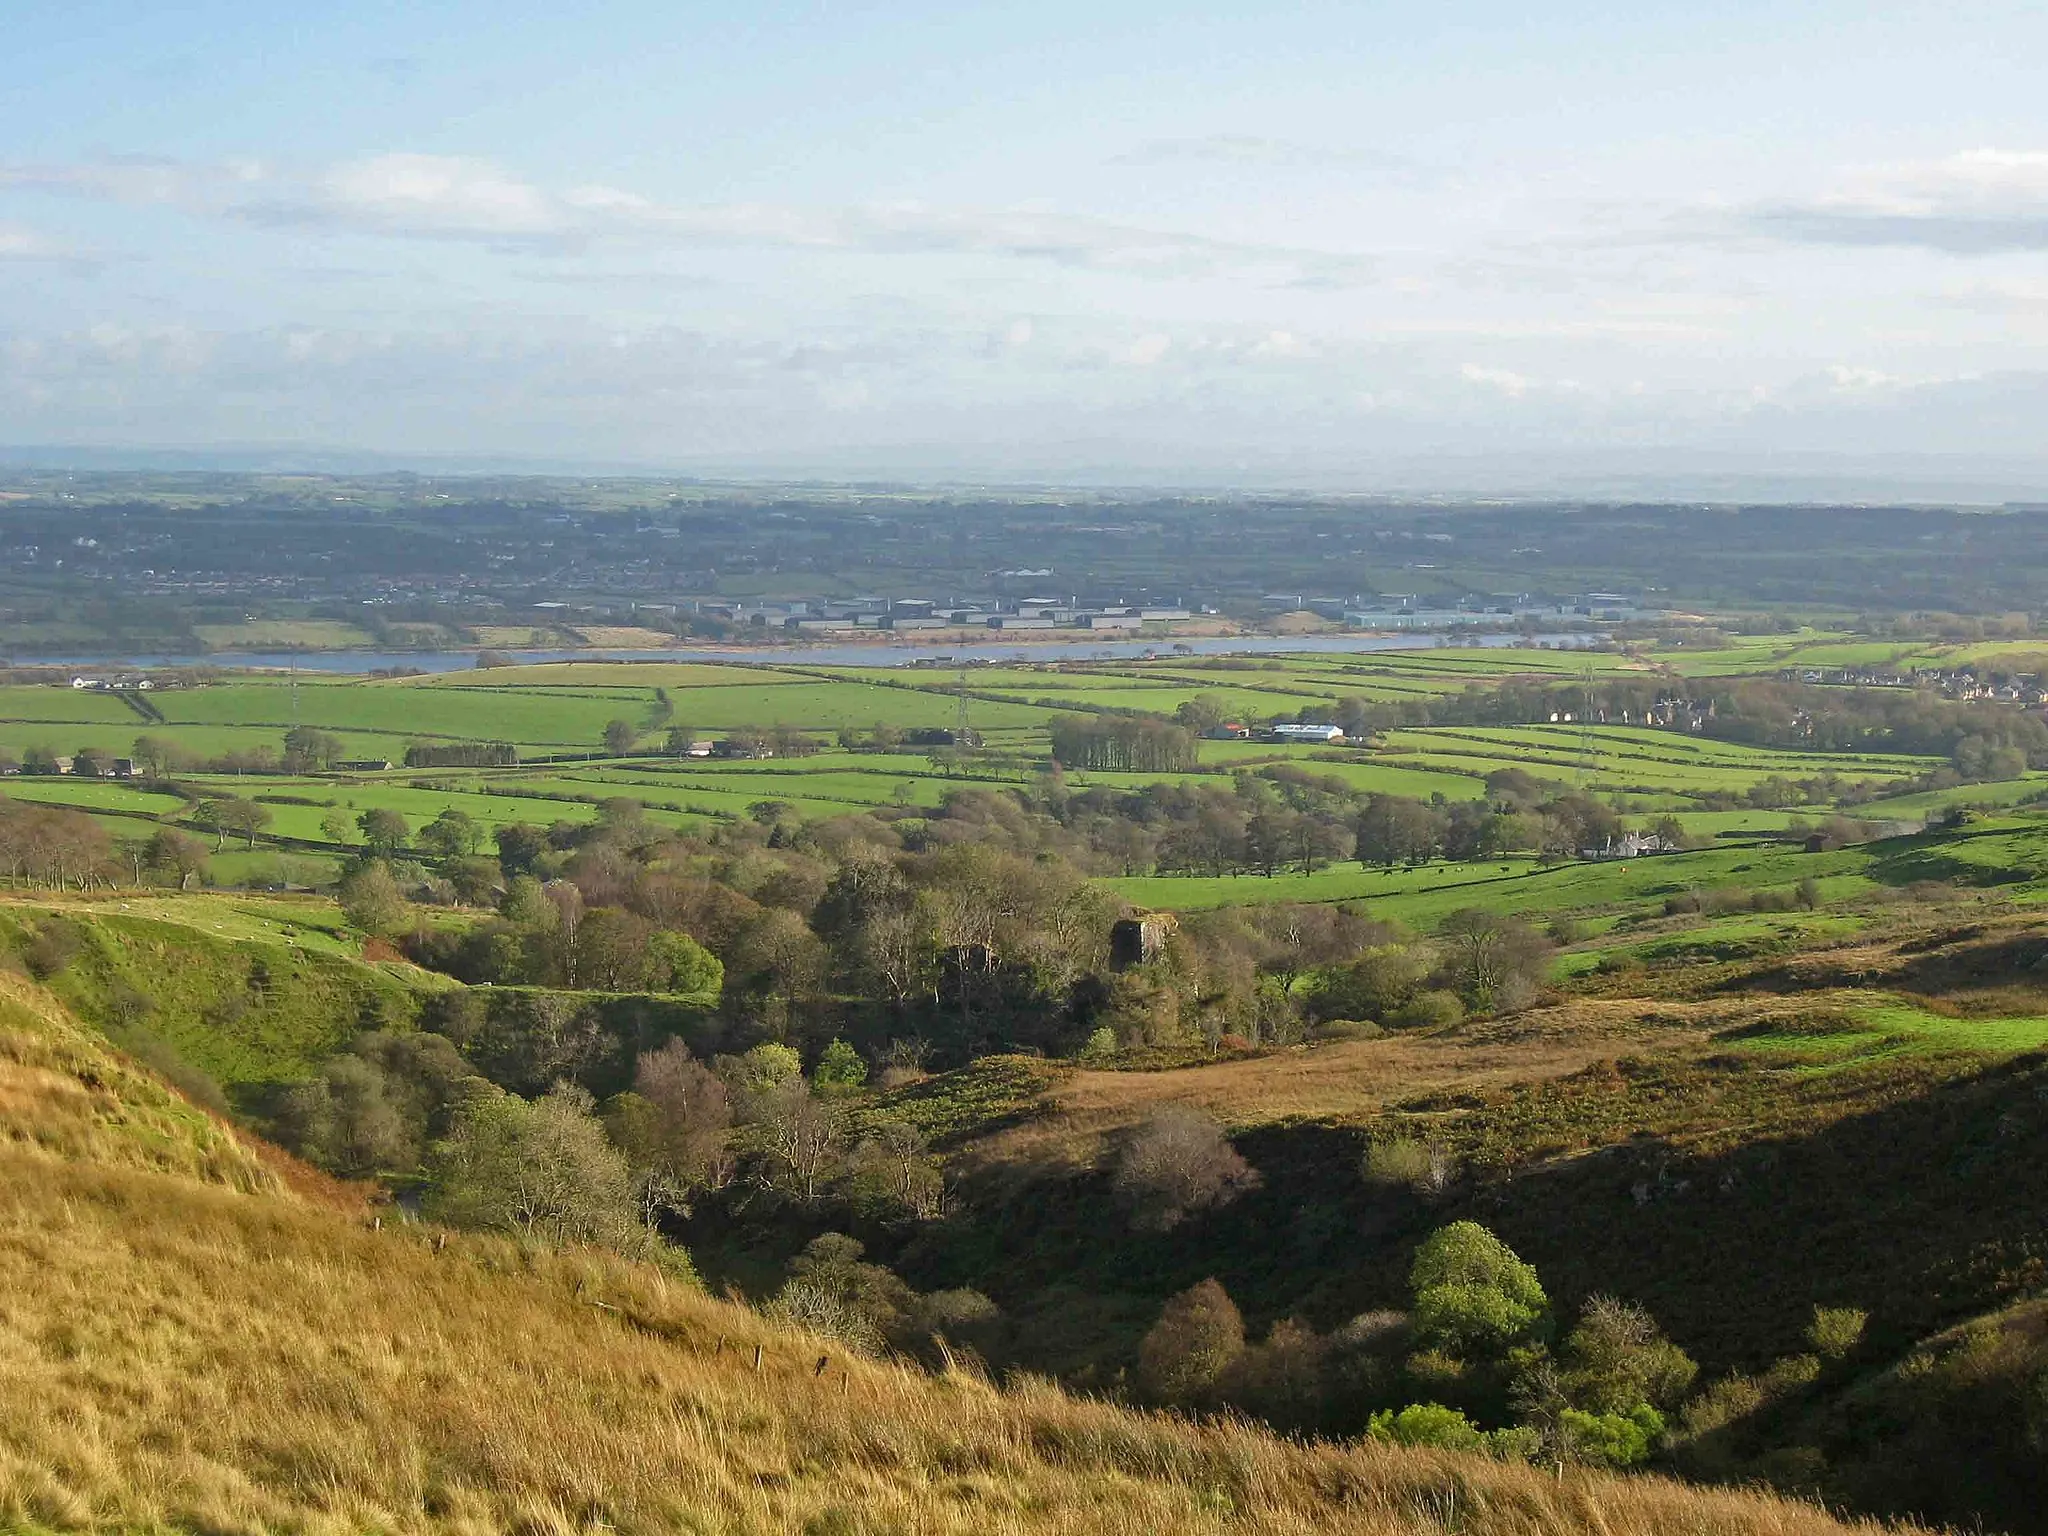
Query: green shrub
(1791, 1373)
(1349, 1029)
(840, 1066)
(1423, 1167)
(680, 964)
(1835, 1331)
(1722, 1403)
(1613, 1439)
(1618, 1359)
(371, 900)
(1429, 1424)
(1434, 1009)
(54, 945)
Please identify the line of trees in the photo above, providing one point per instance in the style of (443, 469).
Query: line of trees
(47, 845)
(1123, 743)
(461, 754)
(1757, 711)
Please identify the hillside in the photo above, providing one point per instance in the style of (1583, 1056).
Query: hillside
(188, 1344)
(236, 992)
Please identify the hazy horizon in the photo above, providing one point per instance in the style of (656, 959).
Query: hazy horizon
(1473, 249)
(1648, 475)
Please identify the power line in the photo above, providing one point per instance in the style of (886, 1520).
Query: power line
(1589, 744)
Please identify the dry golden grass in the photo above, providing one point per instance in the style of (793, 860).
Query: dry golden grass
(65, 1094)
(1355, 1080)
(624, 637)
(188, 1350)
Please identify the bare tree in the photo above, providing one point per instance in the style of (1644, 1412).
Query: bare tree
(1496, 960)
(693, 1116)
(801, 1139)
(1179, 1162)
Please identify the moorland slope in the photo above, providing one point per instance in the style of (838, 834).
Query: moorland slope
(194, 1338)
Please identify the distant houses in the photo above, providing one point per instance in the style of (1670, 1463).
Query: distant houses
(85, 765)
(136, 684)
(1629, 845)
(912, 614)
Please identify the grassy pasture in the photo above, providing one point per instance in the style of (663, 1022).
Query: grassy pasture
(92, 795)
(265, 1364)
(1423, 895)
(272, 868)
(202, 741)
(1634, 760)
(1383, 890)
(1761, 653)
(418, 806)
(1882, 1025)
(378, 718)
(838, 777)
(1368, 772)
(1165, 698)
(1932, 802)
(1651, 743)
(64, 706)
(283, 635)
(1737, 936)
(805, 704)
(2009, 655)
(584, 676)
(557, 721)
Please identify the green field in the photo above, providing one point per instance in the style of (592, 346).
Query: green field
(555, 715)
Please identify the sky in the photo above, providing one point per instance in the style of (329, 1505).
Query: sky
(1348, 245)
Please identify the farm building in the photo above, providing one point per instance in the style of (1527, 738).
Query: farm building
(1295, 730)
(1628, 846)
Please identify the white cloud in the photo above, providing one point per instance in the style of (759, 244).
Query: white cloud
(18, 242)
(1513, 385)
(454, 198)
(433, 194)
(1281, 344)
(1148, 349)
(1976, 203)
(1271, 154)
(1845, 377)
